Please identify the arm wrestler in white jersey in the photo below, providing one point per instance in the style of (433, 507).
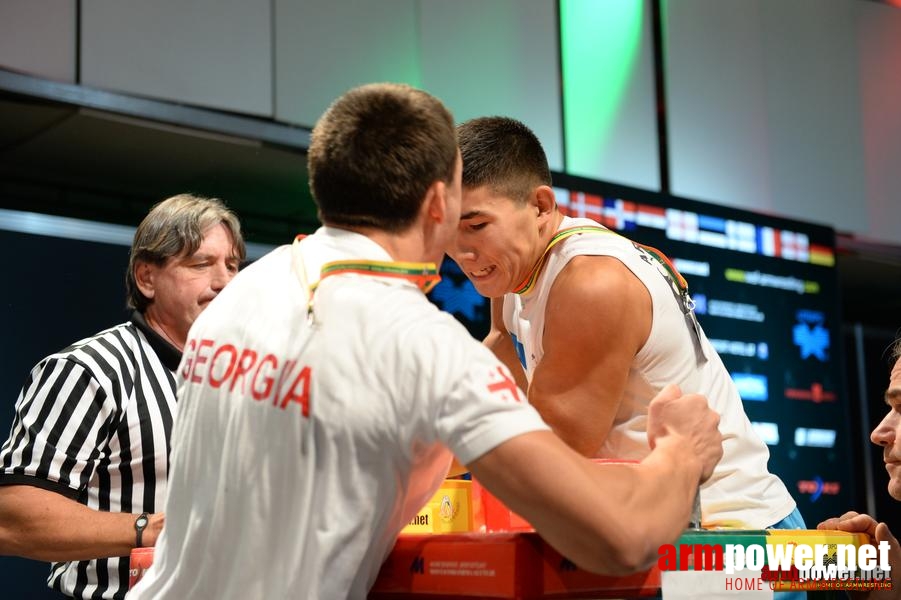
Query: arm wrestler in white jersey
(594, 326)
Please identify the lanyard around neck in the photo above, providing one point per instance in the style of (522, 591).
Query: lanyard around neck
(529, 283)
(424, 275)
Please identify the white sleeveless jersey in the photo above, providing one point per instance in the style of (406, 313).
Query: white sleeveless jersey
(302, 447)
(741, 488)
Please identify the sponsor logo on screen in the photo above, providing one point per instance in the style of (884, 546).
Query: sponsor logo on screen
(744, 349)
(816, 487)
(815, 438)
(751, 386)
(768, 280)
(456, 295)
(810, 336)
(726, 309)
(767, 432)
(696, 268)
(815, 394)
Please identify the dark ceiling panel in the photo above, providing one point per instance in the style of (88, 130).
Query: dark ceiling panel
(77, 152)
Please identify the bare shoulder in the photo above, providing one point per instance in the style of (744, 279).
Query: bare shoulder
(598, 295)
(587, 281)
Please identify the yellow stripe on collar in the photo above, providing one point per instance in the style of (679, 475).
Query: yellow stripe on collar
(526, 286)
(529, 283)
(424, 275)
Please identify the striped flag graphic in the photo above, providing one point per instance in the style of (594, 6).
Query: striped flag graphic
(768, 241)
(619, 214)
(682, 225)
(585, 205)
(822, 255)
(795, 246)
(651, 216)
(741, 236)
(712, 231)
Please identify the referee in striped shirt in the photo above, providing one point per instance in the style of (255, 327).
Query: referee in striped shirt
(84, 470)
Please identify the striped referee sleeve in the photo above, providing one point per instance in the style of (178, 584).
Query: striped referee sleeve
(62, 422)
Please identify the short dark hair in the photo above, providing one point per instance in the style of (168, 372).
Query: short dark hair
(503, 154)
(376, 151)
(175, 227)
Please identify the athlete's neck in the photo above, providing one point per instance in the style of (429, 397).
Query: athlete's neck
(550, 231)
(405, 246)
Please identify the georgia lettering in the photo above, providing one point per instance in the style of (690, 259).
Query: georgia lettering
(263, 377)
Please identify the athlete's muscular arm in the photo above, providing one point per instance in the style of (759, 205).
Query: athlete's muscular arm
(43, 525)
(598, 317)
(609, 518)
(499, 341)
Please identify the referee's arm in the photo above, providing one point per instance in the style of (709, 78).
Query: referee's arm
(43, 525)
(61, 412)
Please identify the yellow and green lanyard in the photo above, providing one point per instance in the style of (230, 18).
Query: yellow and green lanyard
(424, 275)
(677, 283)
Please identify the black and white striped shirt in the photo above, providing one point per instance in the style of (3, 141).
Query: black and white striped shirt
(93, 423)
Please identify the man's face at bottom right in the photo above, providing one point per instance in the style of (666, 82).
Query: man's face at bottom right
(888, 433)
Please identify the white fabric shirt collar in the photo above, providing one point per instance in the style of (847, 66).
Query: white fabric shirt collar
(346, 244)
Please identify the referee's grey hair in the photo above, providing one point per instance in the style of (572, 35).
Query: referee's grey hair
(895, 350)
(175, 227)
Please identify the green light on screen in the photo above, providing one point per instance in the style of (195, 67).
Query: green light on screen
(599, 43)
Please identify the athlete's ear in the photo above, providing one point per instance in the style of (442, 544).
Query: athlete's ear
(435, 203)
(544, 201)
